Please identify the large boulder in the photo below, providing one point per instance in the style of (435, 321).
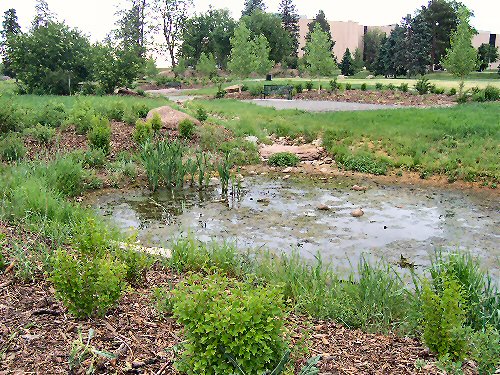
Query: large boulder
(171, 117)
(304, 152)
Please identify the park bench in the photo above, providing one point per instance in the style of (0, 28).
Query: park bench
(282, 90)
(173, 85)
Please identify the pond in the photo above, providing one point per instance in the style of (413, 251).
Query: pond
(284, 215)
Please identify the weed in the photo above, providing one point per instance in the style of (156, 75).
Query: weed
(423, 86)
(186, 129)
(201, 114)
(163, 301)
(130, 118)
(211, 136)
(140, 109)
(12, 148)
(143, 132)
(42, 134)
(100, 135)
(283, 159)
(82, 352)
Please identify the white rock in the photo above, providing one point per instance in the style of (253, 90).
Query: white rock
(287, 170)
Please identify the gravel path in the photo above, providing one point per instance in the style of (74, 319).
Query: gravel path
(318, 105)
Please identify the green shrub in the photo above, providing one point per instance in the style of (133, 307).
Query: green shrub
(452, 92)
(156, 123)
(42, 134)
(94, 158)
(87, 286)
(439, 91)
(143, 132)
(82, 116)
(53, 114)
(100, 135)
(360, 162)
(485, 350)
(163, 301)
(212, 136)
(379, 86)
(66, 176)
(284, 159)
(10, 117)
(256, 90)
(141, 110)
(201, 114)
(423, 86)
(364, 87)
(444, 319)
(391, 87)
(491, 93)
(116, 111)
(348, 86)
(187, 129)
(299, 88)
(224, 318)
(12, 148)
(403, 87)
(334, 85)
(136, 264)
(241, 152)
(309, 85)
(130, 118)
(479, 97)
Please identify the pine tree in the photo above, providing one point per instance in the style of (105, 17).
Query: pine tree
(290, 21)
(321, 20)
(358, 60)
(418, 40)
(461, 58)
(347, 66)
(10, 28)
(261, 50)
(43, 15)
(251, 6)
(318, 55)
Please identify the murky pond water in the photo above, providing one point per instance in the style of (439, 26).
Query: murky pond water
(282, 216)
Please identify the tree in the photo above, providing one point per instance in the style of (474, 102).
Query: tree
(441, 17)
(418, 40)
(248, 55)
(208, 33)
(206, 65)
(172, 16)
(43, 15)
(132, 25)
(10, 28)
(487, 54)
(393, 53)
(318, 54)
(251, 6)
(50, 60)
(372, 42)
(290, 22)
(321, 20)
(269, 25)
(358, 60)
(461, 58)
(347, 66)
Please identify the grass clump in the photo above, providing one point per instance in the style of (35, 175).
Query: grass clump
(423, 86)
(100, 135)
(12, 148)
(41, 133)
(187, 129)
(225, 318)
(241, 152)
(283, 159)
(53, 114)
(143, 132)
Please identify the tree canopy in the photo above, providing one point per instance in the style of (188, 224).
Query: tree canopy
(318, 55)
(321, 20)
(253, 5)
(290, 22)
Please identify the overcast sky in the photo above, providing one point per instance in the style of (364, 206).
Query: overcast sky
(96, 17)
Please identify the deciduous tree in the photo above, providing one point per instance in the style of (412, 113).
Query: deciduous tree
(372, 41)
(251, 6)
(321, 20)
(487, 54)
(132, 27)
(43, 15)
(206, 65)
(318, 54)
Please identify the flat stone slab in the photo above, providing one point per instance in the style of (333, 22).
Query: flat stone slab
(319, 105)
(304, 152)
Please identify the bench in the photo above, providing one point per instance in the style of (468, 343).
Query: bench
(173, 85)
(282, 90)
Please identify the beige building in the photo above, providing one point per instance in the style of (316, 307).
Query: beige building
(349, 34)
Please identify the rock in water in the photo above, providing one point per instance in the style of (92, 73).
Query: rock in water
(359, 188)
(322, 207)
(357, 213)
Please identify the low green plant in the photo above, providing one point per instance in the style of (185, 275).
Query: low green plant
(156, 123)
(444, 320)
(364, 87)
(201, 114)
(348, 86)
(12, 148)
(438, 91)
(136, 264)
(491, 93)
(452, 92)
(82, 115)
(53, 114)
(83, 352)
(334, 85)
(140, 109)
(299, 88)
(94, 158)
(42, 134)
(403, 87)
(379, 86)
(256, 90)
(10, 117)
(66, 176)
(163, 301)
(222, 318)
(99, 136)
(224, 168)
(129, 118)
(187, 129)
(143, 132)
(423, 86)
(87, 286)
(485, 350)
(221, 93)
(283, 159)
(242, 152)
(115, 111)
(391, 87)
(309, 85)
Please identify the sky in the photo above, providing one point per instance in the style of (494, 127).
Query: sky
(96, 17)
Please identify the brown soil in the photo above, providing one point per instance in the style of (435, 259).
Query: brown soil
(370, 97)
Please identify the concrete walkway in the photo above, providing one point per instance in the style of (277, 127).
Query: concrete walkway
(318, 105)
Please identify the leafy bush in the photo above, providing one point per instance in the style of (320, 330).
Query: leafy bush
(163, 301)
(348, 86)
(53, 114)
(211, 136)
(100, 135)
(82, 116)
(299, 88)
(452, 92)
(256, 90)
(491, 93)
(479, 97)
(186, 129)
(334, 85)
(241, 152)
(94, 158)
(87, 286)
(379, 86)
(485, 350)
(143, 132)
(364, 87)
(201, 114)
(225, 318)
(141, 110)
(391, 87)
(360, 162)
(444, 320)
(136, 264)
(116, 111)
(42, 134)
(403, 87)
(423, 86)
(12, 148)
(309, 85)
(130, 118)
(439, 91)
(284, 159)
(10, 117)
(156, 123)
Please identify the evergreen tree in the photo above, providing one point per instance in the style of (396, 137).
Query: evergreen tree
(261, 50)
(419, 41)
(392, 56)
(131, 32)
(43, 15)
(347, 66)
(206, 65)
(487, 54)
(372, 41)
(10, 28)
(461, 58)
(318, 54)
(251, 6)
(321, 20)
(378, 65)
(358, 60)
(290, 21)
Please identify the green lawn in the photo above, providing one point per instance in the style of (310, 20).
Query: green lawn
(462, 142)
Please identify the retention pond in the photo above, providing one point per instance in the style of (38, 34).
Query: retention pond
(284, 216)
